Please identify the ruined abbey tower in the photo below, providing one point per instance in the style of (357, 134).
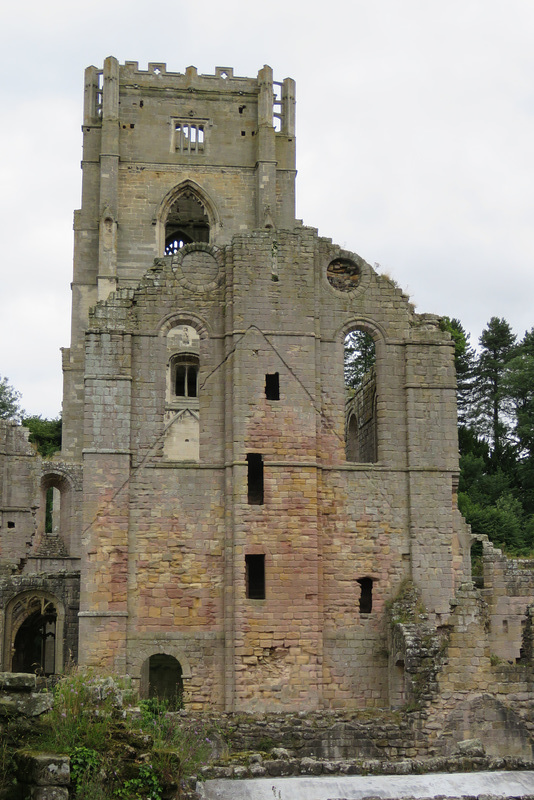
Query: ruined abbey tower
(238, 523)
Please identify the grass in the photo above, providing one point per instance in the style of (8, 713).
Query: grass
(119, 750)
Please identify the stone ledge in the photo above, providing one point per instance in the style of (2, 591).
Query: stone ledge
(17, 682)
(262, 766)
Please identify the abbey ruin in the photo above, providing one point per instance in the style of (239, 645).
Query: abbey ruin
(225, 519)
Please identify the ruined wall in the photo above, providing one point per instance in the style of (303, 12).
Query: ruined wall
(167, 538)
(20, 470)
(223, 518)
(23, 595)
(37, 567)
(507, 586)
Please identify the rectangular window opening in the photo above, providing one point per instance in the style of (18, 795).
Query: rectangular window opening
(255, 479)
(366, 595)
(188, 137)
(272, 386)
(255, 576)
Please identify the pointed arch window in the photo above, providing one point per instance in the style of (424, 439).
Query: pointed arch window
(187, 222)
(361, 397)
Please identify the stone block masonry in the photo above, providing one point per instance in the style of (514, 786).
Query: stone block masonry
(235, 550)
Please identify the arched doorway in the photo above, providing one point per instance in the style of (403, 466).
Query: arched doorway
(161, 678)
(34, 634)
(35, 643)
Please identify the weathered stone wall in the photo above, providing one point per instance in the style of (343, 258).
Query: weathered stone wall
(20, 470)
(476, 695)
(20, 596)
(168, 516)
(325, 523)
(361, 421)
(508, 589)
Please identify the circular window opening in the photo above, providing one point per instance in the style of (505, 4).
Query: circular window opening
(343, 274)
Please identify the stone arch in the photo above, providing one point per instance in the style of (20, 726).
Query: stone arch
(55, 520)
(183, 334)
(177, 318)
(33, 633)
(170, 670)
(361, 406)
(195, 222)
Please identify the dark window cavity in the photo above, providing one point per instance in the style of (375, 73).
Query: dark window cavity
(255, 479)
(186, 222)
(366, 595)
(255, 576)
(186, 377)
(272, 386)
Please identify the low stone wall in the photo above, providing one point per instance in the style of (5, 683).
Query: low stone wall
(40, 776)
(18, 697)
(321, 734)
(281, 763)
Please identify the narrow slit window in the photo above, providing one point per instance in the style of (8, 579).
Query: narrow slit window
(255, 576)
(272, 386)
(255, 479)
(192, 374)
(180, 380)
(366, 595)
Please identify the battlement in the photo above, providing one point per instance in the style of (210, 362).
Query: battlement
(276, 99)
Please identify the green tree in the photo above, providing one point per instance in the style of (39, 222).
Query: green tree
(464, 361)
(519, 381)
(491, 401)
(45, 434)
(9, 401)
(359, 356)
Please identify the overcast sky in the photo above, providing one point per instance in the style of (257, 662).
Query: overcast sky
(415, 133)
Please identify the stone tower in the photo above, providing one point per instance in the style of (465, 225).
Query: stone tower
(170, 158)
(243, 524)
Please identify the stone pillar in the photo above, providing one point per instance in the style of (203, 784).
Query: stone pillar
(432, 453)
(103, 600)
(109, 180)
(266, 163)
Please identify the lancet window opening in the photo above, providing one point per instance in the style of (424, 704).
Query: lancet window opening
(359, 366)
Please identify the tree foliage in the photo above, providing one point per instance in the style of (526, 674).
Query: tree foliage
(359, 356)
(491, 402)
(45, 434)
(464, 361)
(9, 401)
(496, 437)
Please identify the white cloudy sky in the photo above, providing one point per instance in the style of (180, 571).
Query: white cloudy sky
(415, 124)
